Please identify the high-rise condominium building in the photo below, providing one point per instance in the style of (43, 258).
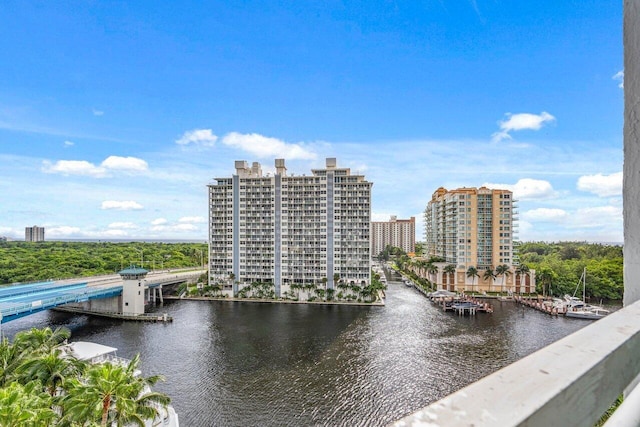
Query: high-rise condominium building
(472, 227)
(34, 234)
(287, 229)
(400, 233)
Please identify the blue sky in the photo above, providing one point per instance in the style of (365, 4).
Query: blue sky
(115, 115)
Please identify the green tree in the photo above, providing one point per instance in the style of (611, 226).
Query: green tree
(489, 274)
(113, 393)
(522, 271)
(502, 271)
(473, 273)
(449, 270)
(25, 406)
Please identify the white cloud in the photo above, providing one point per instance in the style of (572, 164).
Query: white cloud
(62, 231)
(546, 214)
(97, 112)
(192, 219)
(266, 147)
(122, 225)
(129, 164)
(527, 189)
(619, 76)
(173, 228)
(521, 121)
(84, 168)
(73, 167)
(204, 137)
(380, 217)
(68, 144)
(593, 217)
(602, 185)
(123, 205)
(158, 221)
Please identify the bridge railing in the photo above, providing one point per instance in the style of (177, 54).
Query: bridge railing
(14, 309)
(571, 382)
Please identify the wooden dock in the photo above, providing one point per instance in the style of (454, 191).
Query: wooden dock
(139, 318)
(545, 306)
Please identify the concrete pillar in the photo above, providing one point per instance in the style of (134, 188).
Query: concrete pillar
(631, 183)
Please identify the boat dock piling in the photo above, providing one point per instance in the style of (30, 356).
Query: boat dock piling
(540, 305)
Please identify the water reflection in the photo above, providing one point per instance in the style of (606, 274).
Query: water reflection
(245, 364)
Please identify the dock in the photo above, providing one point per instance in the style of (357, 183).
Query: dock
(542, 305)
(462, 305)
(112, 315)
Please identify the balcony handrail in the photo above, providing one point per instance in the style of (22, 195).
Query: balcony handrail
(571, 382)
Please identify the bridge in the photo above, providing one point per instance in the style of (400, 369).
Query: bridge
(21, 300)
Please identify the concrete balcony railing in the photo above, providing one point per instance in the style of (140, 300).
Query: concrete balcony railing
(571, 382)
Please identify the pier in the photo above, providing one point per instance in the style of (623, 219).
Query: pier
(543, 305)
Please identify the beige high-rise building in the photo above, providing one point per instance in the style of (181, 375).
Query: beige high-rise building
(475, 227)
(34, 234)
(289, 229)
(400, 233)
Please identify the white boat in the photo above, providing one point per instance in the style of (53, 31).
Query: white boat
(578, 308)
(588, 313)
(95, 353)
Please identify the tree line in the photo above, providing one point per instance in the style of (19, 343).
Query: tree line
(559, 267)
(28, 262)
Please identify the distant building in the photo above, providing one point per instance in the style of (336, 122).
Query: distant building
(34, 234)
(400, 233)
(474, 227)
(289, 230)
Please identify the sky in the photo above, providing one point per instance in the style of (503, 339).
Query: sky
(115, 115)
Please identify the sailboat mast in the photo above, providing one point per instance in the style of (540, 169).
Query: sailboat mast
(584, 284)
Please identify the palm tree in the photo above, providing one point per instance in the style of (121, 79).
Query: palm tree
(489, 275)
(545, 277)
(522, 270)
(432, 269)
(10, 358)
(25, 405)
(449, 270)
(113, 393)
(473, 273)
(502, 270)
(51, 370)
(40, 341)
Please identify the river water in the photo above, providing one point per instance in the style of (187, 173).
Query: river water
(252, 364)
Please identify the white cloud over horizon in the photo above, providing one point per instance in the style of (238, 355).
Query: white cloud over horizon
(127, 225)
(127, 165)
(203, 137)
(121, 205)
(527, 189)
(192, 219)
(601, 185)
(159, 221)
(267, 147)
(521, 121)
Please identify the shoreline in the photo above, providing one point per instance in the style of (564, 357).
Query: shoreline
(379, 303)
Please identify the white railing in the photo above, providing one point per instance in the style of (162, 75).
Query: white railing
(571, 382)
